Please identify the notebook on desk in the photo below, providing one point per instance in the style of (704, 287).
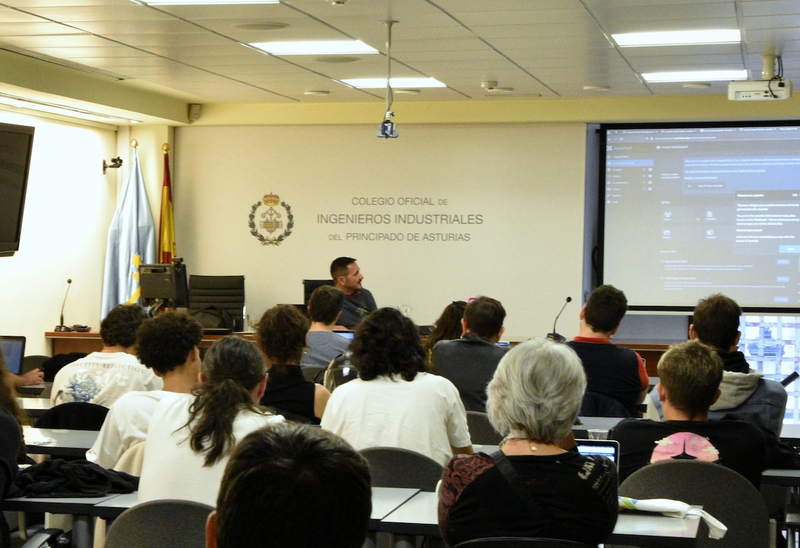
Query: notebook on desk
(13, 348)
(603, 448)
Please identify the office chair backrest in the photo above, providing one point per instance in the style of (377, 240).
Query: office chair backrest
(225, 292)
(160, 524)
(513, 542)
(395, 467)
(723, 493)
(74, 416)
(310, 285)
(481, 430)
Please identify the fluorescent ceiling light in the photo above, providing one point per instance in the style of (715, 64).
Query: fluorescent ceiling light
(202, 2)
(370, 83)
(695, 76)
(63, 110)
(318, 47)
(678, 38)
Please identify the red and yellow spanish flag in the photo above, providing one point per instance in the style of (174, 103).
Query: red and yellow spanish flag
(166, 226)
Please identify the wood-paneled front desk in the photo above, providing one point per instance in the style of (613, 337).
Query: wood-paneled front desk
(64, 342)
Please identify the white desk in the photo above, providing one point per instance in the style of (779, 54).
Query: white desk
(419, 516)
(58, 442)
(34, 407)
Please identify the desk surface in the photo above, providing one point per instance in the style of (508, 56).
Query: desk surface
(419, 516)
(35, 407)
(58, 442)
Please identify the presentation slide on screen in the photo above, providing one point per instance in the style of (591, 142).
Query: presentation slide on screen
(693, 211)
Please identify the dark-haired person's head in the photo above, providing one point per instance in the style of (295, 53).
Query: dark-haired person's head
(120, 326)
(387, 343)
(291, 485)
(484, 317)
(281, 334)
(326, 304)
(233, 377)
(605, 309)
(340, 266)
(689, 376)
(448, 326)
(164, 342)
(716, 322)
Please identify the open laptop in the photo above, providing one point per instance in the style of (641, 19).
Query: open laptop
(13, 348)
(604, 448)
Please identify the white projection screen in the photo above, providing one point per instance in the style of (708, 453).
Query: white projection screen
(689, 210)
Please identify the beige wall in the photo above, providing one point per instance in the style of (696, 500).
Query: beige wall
(526, 181)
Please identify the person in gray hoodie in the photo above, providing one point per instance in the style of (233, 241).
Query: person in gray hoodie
(715, 322)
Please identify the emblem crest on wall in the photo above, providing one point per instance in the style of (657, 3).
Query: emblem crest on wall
(271, 220)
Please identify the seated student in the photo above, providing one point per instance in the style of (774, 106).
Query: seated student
(534, 398)
(191, 435)
(167, 344)
(102, 377)
(690, 374)
(448, 327)
(611, 370)
(395, 403)
(281, 335)
(715, 322)
(11, 446)
(324, 307)
(469, 362)
(295, 486)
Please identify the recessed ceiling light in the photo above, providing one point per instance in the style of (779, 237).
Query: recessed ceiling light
(317, 92)
(695, 76)
(595, 88)
(678, 38)
(372, 83)
(407, 91)
(697, 85)
(202, 2)
(318, 47)
(265, 26)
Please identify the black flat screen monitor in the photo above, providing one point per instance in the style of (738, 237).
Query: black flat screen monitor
(688, 210)
(16, 145)
(164, 282)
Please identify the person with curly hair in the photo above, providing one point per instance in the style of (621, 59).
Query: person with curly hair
(102, 377)
(395, 403)
(167, 344)
(281, 335)
(191, 436)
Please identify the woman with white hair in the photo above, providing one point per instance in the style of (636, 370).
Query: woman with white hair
(537, 485)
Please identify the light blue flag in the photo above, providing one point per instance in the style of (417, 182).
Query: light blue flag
(131, 242)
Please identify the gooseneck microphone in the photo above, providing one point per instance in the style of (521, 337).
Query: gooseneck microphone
(554, 336)
(61, 326)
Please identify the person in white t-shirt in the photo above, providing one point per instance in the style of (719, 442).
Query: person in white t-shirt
(191, 435)
(167, 344)
(102, 377)
(395, 403)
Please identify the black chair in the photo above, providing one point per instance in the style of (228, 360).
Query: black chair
(481, 430)
(396, 467)
(512, 542)
(310, 285)
(34, 361)
(595, 404)
(160, 524)
(723, 493)
(225, 292)
(314, 373)
(74, 416)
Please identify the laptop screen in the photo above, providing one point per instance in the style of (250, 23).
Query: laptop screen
(13, 348)
(603, 448)
(346, 334)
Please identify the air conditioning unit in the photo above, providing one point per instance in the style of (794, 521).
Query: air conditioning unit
(760, 90)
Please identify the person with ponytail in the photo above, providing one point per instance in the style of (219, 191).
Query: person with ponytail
(191, 435)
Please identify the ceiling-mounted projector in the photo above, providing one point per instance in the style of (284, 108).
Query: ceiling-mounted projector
(760, 90)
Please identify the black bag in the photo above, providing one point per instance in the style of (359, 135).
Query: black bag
(213, 317)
